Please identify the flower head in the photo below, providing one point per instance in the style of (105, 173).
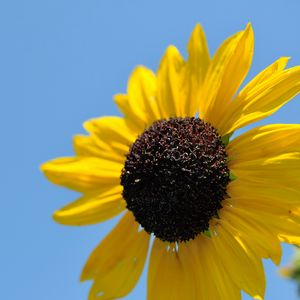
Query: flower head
(215, 206)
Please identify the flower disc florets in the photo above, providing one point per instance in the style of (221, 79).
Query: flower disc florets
(175, 178)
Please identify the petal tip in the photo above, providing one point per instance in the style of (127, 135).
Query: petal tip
(249, 29)
(118, 98)
(197, 29)
(56, 216)
(172, 50)
(82, 277)
(43, 167)
(46, 167)
(249, 26)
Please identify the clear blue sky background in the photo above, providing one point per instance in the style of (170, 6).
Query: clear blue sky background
(61, 61)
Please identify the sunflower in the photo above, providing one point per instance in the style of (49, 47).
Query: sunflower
(214, 206)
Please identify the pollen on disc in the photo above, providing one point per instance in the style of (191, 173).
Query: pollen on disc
(175, 178)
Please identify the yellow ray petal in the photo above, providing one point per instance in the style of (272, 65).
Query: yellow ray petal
(215, 276)
(276, 206)
(259, 142)
(241, 263)
(91, 209)
(110, 138)
(140, 105)
(117, 263)
(134, 122)
(93, 147)
(272, 69)
(168, 84)
(83, 174)
(194, 71)
(266, 173)
(111, 130)
(165, 273)
(206, 284)
(170, 274)
(262, 100)
(226, 72)
(261, 238)
(142, 94)
(278, 200)
(285, 228)
(279, 171)
(189, 255)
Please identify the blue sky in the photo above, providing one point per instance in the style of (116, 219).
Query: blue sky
(61, 61)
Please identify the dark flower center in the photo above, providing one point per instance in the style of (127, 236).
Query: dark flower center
(175, 178)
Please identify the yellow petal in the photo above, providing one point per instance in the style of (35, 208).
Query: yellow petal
(226, 72)
(117, 263)
(190, 271)
(215, 277)
(262, 100)
(272, 69)
(142, 95)
(168, 84)
(83, 174)
(243, 265)
(261, 238)
(170, 276)
(110, 138)
(285, 228)
(279, 171)
(207, 285)
(134, 122)
(260, 142)
(112, 131)
(198, 52)
(194, 71)
(261, 196)
(139, 106)
(93, 147)
(266, 173)
(194, 274)
(269, 205)
(91, 209)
